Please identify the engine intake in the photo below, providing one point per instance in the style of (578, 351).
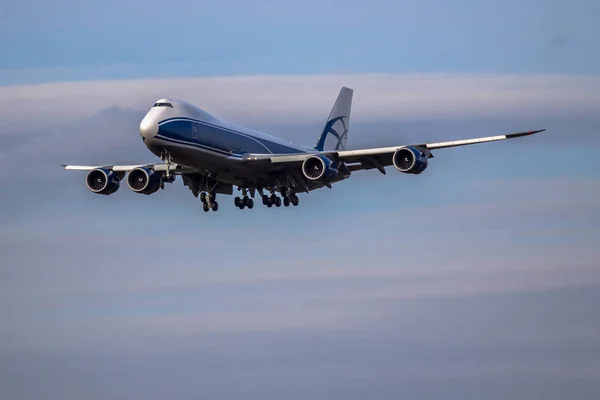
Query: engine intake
(319, 168)
(410, 160)
(144, 180)
(102, 181)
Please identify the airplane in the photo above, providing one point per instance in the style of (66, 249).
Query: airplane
(213, 156)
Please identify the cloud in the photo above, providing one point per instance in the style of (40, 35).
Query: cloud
(513, 227)
(293, 99)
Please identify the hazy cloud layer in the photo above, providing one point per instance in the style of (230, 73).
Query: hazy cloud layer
(292, 99)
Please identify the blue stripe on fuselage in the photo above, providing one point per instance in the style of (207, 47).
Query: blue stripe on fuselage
(198, 146)
(218, 138)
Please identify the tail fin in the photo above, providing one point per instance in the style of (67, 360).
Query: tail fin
(335, 132)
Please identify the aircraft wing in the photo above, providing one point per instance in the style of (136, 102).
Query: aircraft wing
(176, 169)
(382, 156)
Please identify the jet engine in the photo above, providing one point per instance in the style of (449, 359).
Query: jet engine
(144, 180)
(102, 181)
(410, 160)
(319, 168)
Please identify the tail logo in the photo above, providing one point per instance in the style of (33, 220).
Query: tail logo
(329, 129)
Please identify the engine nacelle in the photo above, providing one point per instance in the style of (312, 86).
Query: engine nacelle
(102, 181)
(319, 168)
(144, 180)
(410, 160)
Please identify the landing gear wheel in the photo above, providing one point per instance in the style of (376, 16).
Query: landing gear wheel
(205, 207)
(265, 199)
(269, 203)
(214, 205)
(250, 204)
(286, 201)
(295, 200)
(237, 201)
(203, 197)
(278, 201)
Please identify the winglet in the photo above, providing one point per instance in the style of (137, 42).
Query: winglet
(516, 135)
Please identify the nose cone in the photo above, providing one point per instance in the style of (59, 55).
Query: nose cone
(148, 128)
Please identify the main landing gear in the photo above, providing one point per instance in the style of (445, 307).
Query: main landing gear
(209, 201)
(289, 197)
(245, 201)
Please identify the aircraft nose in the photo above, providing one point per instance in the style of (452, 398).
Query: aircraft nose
(148, 128)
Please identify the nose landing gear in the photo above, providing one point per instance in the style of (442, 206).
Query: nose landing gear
(168, 159)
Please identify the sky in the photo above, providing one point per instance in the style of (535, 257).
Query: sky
(479, 278)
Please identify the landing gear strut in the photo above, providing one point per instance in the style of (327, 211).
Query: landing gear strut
(209, 201)
(245, 201)
(166, 157)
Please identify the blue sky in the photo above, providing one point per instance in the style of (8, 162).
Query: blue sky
(66, 40)
(479, 278)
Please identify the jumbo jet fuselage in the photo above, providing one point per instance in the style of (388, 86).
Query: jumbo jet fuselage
(195, 138)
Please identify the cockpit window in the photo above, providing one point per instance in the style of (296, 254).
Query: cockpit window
(163, 105)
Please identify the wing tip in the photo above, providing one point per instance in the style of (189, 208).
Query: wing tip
(527, 133)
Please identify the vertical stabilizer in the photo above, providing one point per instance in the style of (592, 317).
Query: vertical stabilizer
(335, 133)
